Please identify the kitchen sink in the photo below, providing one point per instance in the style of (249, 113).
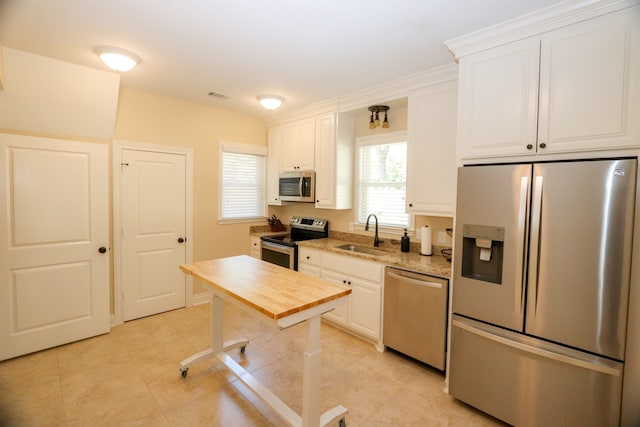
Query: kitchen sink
(362, 249)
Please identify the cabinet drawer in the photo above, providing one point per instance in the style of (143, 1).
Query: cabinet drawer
(352, 266)
(309, 256)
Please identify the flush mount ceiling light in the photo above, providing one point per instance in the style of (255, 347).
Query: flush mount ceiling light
(375, 122)
(270, 102)
(117, 59)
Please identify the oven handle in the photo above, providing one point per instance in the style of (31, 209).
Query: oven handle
(276, 247)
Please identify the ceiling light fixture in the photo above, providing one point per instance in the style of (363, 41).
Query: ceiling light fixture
(374, 118)
(270, 102)
(117, 59)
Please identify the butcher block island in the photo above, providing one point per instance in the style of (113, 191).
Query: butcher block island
(284, 298)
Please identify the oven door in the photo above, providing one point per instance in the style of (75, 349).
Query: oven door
(282, 255)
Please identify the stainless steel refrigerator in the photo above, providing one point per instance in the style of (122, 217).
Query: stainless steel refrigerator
(541, 278)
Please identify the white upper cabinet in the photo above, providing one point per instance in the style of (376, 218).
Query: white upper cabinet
(334, 145)
(589, 85)
(274, 148)
(298, 145)
(431, 154)
(499, 100)
(573, 89)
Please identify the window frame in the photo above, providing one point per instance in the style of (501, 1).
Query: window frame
(371, 140)
(248, 149)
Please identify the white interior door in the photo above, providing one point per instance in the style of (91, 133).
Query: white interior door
(54, 239)
(153, 235)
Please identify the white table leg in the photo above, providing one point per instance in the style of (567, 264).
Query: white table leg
(217, 336)
(312, 375)
(217, 324)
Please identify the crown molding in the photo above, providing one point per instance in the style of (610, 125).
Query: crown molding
(385, 92)
(535, 23)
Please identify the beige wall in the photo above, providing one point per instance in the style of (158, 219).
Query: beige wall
(339, 219)
(154, 119)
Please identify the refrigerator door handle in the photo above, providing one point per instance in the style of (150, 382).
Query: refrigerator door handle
(534, 253)
(520, 244)
(597, 367)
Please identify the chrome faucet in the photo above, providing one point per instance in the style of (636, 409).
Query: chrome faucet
(376, 240)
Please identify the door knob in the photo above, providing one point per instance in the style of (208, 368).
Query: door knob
(181, 240)
(102, 249)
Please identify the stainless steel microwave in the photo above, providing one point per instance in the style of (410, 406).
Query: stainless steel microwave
(298, 186)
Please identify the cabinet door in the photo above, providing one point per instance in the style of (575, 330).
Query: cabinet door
(498, 101)
(298, 145)
(274, 141)
(309, 269)
(431, 160)
(339, 315)
(590, 85)
(365, 308)
(325, 151)
(334, 161)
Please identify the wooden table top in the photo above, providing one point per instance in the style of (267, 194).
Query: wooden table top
(274, 291)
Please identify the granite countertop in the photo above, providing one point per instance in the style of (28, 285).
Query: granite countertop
(434, 265)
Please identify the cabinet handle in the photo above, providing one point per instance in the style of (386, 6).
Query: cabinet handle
(529, 146)
(308, 257)
(543, 144)
(410, 205)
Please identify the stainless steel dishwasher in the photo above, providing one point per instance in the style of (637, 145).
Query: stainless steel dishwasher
(415, 315)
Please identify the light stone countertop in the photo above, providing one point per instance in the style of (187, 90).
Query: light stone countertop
(434, 265)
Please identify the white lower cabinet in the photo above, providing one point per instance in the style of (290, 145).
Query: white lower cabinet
(309, 261)
(362, 314)
(362, 311)
(254, 248)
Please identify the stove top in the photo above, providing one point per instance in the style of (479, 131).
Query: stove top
(302, 229)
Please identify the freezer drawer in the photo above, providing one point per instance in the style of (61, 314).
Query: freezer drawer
(528, 382)
(415, 315)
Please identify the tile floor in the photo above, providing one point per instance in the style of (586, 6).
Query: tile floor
(130, 377)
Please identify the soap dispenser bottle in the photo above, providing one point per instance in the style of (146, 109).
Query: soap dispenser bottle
(405, 242)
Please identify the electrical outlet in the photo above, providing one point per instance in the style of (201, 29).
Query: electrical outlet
(442, 237)
(350, 226)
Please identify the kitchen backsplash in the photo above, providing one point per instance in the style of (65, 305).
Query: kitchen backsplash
(339, 221)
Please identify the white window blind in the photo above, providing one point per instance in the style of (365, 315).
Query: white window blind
(242, 181)
(382, 179)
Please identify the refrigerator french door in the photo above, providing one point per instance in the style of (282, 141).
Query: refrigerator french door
(541, 285)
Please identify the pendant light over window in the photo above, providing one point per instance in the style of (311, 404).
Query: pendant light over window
(374, 118)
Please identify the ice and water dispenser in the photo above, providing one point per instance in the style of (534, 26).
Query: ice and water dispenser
(482, 250)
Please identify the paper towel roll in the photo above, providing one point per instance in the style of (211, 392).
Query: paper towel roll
(425, 244)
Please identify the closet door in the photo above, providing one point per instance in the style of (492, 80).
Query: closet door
(54, 243)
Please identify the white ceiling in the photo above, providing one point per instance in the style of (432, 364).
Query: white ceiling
(306, 51)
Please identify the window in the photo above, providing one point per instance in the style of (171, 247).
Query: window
(382, 179)
(242, 181)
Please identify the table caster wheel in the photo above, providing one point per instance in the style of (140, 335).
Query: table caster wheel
(184, 372)
(243, 349)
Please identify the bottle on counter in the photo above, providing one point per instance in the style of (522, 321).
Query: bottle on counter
(405, 243)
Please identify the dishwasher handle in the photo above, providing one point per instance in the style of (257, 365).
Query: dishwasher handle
(414, 281)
